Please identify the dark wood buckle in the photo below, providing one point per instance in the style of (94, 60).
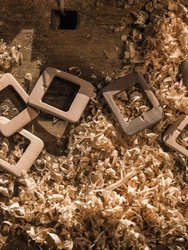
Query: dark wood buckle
(173, 132)
(148, 118)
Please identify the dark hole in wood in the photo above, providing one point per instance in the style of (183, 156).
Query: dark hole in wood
(66, 20)
(61, 94)
(11, 104)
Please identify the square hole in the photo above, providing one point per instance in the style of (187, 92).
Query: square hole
(66, 20)
(78, 97)
(13, 147)
(11, 103)
(61, 93)
(144, 120)
(132, 103)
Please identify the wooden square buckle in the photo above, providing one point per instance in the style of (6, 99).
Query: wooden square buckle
(173, 132)
(148, 118)
(29, 156)
(24, 117)
(74, 112)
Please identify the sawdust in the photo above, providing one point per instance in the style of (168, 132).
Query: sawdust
(114, 191)
(9, 56)
(132, 103)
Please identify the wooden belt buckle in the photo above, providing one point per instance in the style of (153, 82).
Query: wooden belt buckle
(147, 118)
(29, 156)
(24, 117)
(183, 70)
(173, 132)
(79, 103)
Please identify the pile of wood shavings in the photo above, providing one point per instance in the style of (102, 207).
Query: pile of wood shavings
(9, 56)
(113, 191)
(132, 103)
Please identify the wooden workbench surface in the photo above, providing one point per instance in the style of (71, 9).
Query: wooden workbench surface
(93, 46)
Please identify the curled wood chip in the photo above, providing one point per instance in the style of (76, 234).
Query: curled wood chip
(9, 56)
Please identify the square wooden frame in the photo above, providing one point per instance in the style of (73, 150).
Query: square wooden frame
(173, 132)
(29, 156)
(79, 103)
(25, 116)
(147, 118)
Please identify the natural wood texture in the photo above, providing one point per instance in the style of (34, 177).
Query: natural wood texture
(28, 23)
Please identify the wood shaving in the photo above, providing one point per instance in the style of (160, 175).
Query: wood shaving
(133, 103)
(9, 56)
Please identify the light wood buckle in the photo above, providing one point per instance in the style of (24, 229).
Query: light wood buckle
(29, 156)
(79, 103)
(24, 117)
